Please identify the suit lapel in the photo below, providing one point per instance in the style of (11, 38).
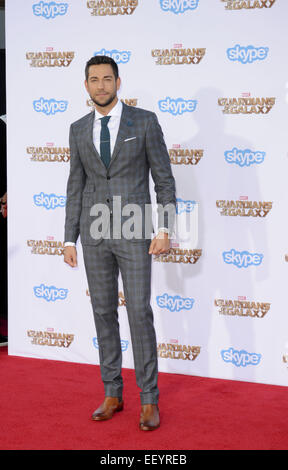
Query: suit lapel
(90, 138)
(126, 124)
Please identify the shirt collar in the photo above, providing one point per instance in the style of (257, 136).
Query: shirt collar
(115, 111)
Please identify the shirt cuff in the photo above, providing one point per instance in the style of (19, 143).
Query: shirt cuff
(163, 230)
(69, 244)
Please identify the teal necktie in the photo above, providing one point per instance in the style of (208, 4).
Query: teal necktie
(105, 151)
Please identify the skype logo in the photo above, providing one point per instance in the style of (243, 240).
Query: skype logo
(49, 201)
(177, 106)
(49, 10)
(178, 6)
(247, 55)
(242, 259)
(50, 107)
(120, 57)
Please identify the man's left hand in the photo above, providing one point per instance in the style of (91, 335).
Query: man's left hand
(160, 244)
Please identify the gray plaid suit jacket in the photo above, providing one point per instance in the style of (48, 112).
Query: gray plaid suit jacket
(139, 147)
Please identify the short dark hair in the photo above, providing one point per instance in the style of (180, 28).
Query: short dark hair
(102, 59)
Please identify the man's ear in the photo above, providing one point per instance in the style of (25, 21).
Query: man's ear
(118, 83)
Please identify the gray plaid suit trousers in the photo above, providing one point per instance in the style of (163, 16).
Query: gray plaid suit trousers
(102, 264)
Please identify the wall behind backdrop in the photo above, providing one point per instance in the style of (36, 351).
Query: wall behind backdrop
(215, 73)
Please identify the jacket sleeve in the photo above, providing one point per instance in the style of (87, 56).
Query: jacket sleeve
(164, 182)
(75, 186)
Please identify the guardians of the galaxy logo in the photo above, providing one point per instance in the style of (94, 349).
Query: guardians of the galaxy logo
(46, 247)
(177, 255)
(246, 105)
(50, 338)
(112, 7)
(244, 208)
(50, 58)
(178, 56)
(247, 4)
(49, 153)
(178, 351)
(184, 156)
(242, 308)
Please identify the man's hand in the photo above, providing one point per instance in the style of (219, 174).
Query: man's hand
(160, 244)
(70, 256)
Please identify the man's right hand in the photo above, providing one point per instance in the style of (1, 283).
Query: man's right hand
(70, 256)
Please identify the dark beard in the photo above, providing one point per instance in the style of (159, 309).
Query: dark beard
(103, 105)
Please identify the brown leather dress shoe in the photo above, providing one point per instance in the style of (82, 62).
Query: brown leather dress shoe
(107, 409)
(149, 418)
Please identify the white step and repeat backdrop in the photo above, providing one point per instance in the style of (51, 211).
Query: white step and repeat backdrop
(216, 74)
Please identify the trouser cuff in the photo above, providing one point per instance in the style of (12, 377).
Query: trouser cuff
(110, 392)
(149, 398)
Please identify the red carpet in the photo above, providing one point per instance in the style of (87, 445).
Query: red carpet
(46, 405)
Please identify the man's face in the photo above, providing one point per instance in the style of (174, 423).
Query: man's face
(102, 85)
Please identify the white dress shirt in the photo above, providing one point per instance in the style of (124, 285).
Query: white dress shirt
(113, 126)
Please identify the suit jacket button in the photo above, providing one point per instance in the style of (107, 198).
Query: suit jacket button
(108, 200)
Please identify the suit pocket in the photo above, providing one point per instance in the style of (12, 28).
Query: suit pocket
(91, 198)
(141, 197)
(87, 200)
(89, 188)
(130, 139)
(132, 146)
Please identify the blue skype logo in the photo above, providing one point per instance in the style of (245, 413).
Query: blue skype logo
(124, 344)
(177, 106)
(244, 157)
(50, 293)
(49, 107)
(174, 303)
(240, 358)
(247, 55)
(49, 9)
(120, 57)
(184, 206)
(242, 259)
(178, 6)
(49, 201)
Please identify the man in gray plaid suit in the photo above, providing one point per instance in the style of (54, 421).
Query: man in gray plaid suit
(113, 150)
